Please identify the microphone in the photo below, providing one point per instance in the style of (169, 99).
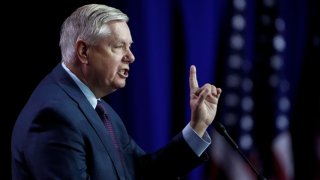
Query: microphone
(222, 130)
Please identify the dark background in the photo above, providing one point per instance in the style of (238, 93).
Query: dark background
(168, 38)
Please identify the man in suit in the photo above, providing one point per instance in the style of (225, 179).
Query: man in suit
(59, 135)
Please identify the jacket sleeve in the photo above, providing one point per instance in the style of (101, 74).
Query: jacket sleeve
(173, 161)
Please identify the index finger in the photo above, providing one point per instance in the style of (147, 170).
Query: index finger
(193, 82)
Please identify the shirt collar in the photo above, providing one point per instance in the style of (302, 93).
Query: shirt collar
(85, 89)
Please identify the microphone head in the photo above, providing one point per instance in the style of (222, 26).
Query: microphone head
(220, 128)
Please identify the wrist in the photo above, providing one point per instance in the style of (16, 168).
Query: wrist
(199, 127)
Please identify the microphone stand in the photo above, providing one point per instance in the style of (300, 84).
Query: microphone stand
(222, 130)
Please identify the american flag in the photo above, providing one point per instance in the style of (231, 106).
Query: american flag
(255, 105)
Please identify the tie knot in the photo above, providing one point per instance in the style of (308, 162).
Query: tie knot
(100, 110)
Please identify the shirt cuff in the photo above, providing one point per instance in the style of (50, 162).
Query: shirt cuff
(196, 143)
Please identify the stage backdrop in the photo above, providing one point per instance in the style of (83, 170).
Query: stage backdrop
(260, 53)
(265, 55)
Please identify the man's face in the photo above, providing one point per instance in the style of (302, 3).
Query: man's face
(110, 59)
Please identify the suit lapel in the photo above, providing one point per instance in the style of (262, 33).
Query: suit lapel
(70, 87)
(105, 138)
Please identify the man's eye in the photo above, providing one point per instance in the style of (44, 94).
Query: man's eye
(119, 46)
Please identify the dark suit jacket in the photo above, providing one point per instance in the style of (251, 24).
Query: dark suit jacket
(58, 135)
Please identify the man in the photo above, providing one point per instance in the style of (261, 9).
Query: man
(59, 135)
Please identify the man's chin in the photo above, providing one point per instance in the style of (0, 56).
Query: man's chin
(121, 85)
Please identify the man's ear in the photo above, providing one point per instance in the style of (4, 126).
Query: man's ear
(82, 51)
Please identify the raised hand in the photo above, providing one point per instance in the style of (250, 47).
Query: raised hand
(203, 103)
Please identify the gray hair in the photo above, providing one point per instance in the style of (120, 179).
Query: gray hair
(88, 23)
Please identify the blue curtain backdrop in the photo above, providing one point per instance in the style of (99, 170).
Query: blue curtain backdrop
(169, 36)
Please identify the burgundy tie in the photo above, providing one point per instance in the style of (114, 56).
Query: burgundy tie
(107, 123)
